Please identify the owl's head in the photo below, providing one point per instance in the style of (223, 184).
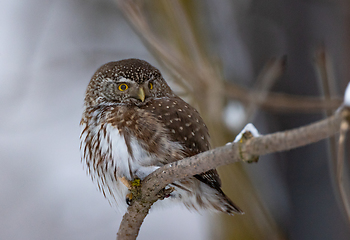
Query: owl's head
(129, 81)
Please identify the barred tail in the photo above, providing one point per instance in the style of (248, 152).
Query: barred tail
(229, 206)
(198, 195)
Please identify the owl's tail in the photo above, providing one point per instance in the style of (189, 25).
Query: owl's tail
(198, 195)
(229, 206)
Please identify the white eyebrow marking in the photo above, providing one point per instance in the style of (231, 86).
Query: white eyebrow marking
(123, 79)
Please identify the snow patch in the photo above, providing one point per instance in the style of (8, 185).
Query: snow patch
(249, 127)
(347, 96)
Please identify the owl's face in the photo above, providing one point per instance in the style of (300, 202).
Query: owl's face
(128, 82)
(127, 90)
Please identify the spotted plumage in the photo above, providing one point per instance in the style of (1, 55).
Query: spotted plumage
(132, 124)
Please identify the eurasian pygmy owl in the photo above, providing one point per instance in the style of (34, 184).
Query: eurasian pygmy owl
(132, 124)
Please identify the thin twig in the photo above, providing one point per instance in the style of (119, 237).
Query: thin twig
(272, 70)
(325, 75)
(327, 81)
(224, 155)
(344, 127)
(283, 102)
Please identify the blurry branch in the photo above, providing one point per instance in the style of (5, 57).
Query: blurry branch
(270, 73)
(193, 72)
(286, 102)
(344, 127)
(345, 6)
(326, 76)
(283, 102)
(153, 185)
(327, 80)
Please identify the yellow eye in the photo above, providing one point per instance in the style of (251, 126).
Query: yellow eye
(150, 85)
(122, 87)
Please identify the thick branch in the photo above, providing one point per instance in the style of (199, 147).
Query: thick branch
(133, 219)
(214, 158)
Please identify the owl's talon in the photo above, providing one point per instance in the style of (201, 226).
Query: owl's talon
(165, 193)
(128, 199)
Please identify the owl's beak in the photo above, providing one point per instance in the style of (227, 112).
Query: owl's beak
(141, 94)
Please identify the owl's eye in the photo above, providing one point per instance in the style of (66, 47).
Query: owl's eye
(150, 85)
(122, 87)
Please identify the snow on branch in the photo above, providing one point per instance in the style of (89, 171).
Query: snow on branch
(248, 128)
(347, 96)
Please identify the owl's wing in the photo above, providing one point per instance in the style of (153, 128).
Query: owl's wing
(210, 178)
(185, 125)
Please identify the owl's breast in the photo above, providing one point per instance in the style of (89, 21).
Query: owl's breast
(130, 156)
(145, 134)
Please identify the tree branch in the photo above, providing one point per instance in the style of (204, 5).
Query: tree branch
(280, 141)
(344, 127)
(272, 71)
(283, 102)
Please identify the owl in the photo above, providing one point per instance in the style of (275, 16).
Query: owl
(133, 124)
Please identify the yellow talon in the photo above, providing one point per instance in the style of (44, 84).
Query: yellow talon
(134, 188)
(128, 198)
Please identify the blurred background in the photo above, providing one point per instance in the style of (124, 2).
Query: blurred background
(277, 63)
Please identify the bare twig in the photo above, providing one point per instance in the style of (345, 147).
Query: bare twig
(344, 127)
(284, 102)
(205, 161)
(270, 73)
(327, 80)
(325, 75)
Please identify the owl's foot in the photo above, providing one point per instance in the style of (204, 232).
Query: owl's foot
(128, 199)
(134, 187)
(165, 193)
